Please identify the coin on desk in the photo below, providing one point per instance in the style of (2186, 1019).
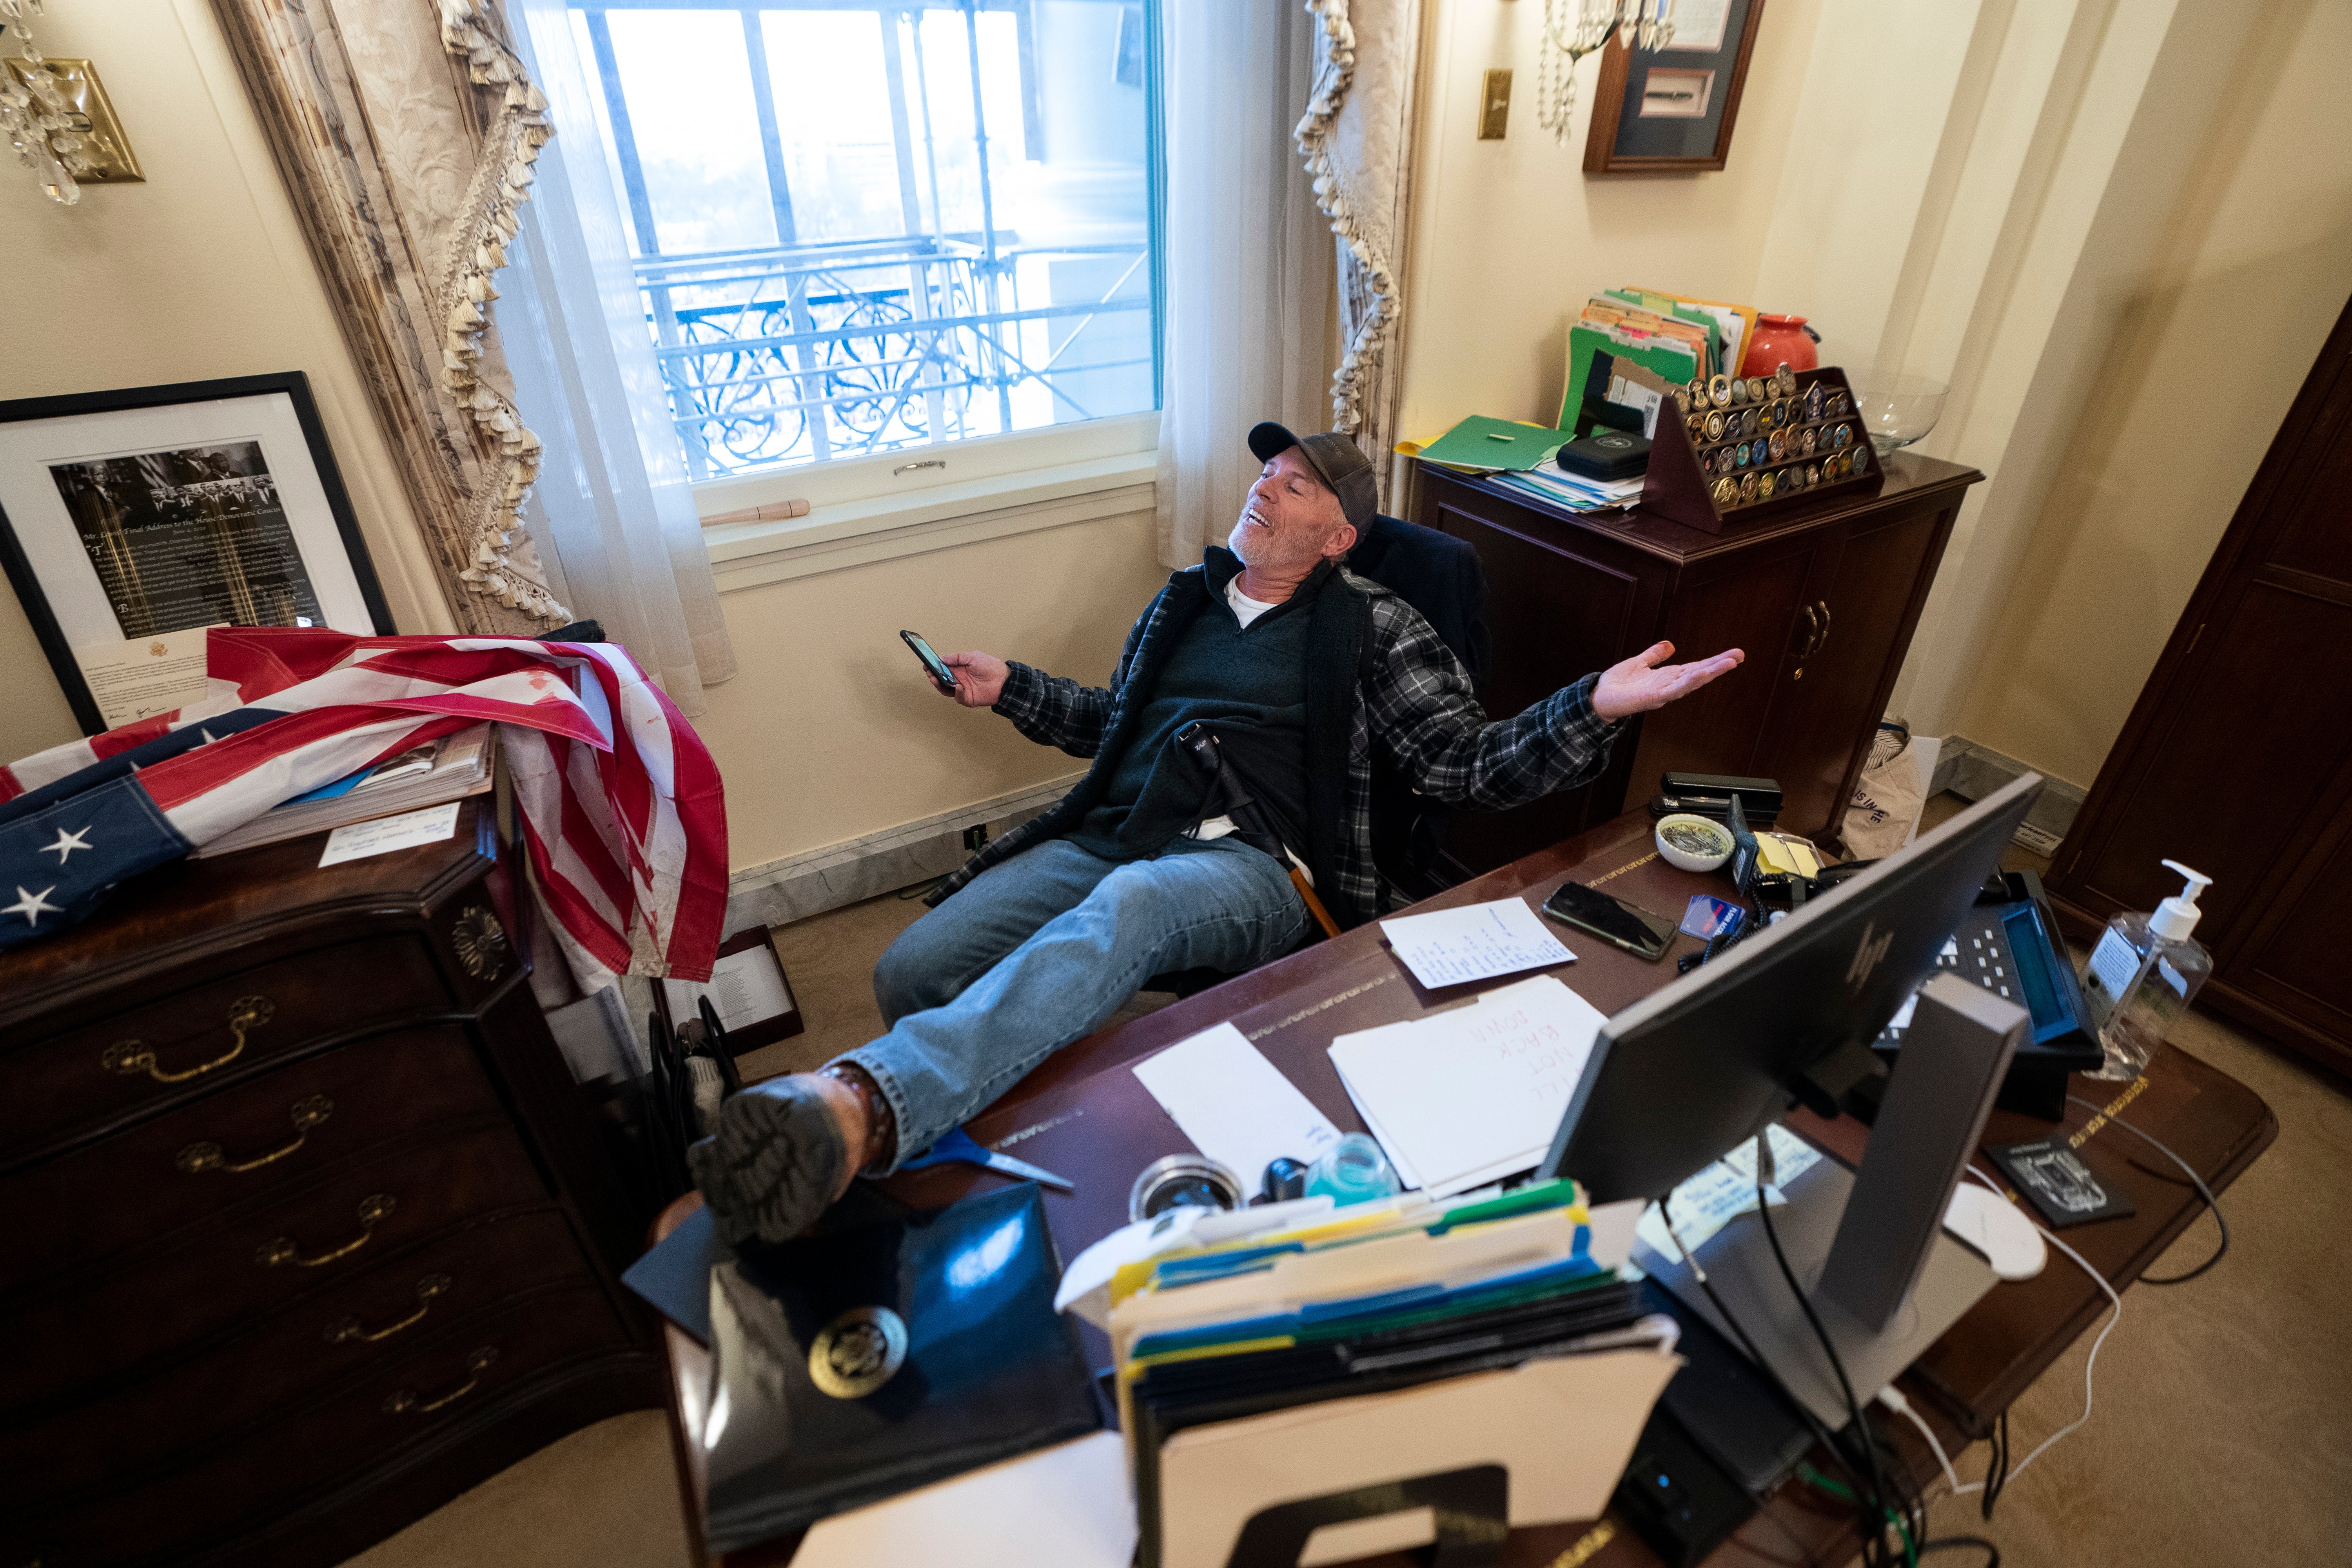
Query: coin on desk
(1747, 487)
(1727, 493)
(1814, 400)
(1787, 377)
(1764, 487)
(1718, 391)
(1779, 444)
(1715, 425)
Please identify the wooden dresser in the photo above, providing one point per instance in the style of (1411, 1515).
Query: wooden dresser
(307, 1227)
(1823, 598)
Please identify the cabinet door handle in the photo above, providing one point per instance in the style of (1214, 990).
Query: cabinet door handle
(1812, 632)
(347, 1329)
(1824, 605)
(198, 1158)
(131, 1057)
(374, 1212)
(407, 1401)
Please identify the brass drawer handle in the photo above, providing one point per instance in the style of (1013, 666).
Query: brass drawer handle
(198, 1158)
(346, 1329)
(407, 1401)
(131, 1057)
(374, 1212)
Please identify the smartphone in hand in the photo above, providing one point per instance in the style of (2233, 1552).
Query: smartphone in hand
(933, 666)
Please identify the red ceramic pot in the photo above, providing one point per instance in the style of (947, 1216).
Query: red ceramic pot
(1779, 341)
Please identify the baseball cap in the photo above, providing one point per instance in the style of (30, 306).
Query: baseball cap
(1335, 457)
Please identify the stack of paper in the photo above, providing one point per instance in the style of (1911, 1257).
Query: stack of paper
(1574, 491)
(450, 768)
(1334, 1349)
(1459, 1099)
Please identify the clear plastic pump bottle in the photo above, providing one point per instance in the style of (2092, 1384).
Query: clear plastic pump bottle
(2142, 976)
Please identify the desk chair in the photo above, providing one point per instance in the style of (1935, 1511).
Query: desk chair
(1442, 577)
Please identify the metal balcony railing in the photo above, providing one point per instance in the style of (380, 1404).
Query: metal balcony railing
(806, 353)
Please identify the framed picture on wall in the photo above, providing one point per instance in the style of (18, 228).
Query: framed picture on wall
(1671, 110)
(132, 521)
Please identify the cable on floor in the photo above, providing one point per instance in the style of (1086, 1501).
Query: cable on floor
(2195, 1180)
(2090, 1366)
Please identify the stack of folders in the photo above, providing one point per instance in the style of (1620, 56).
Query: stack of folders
(1485, 1357)
(450, 768)
(1574, 491)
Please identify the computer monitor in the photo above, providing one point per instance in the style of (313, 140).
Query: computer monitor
(1687, 1073)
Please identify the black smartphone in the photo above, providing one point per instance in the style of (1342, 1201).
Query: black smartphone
(933, 666)
(1613, 919)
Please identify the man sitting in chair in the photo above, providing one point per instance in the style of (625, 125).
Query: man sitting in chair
(1304, 673)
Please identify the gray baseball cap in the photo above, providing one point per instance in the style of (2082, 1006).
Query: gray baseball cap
(1335, 457)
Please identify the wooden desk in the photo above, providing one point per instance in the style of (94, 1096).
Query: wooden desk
(1084, 1117)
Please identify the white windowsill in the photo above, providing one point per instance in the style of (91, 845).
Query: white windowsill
(840, 534)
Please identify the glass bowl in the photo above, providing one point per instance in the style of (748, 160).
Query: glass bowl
(1897, 409)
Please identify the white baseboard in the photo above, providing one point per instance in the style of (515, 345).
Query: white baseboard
(1972, 770)
(798, 886)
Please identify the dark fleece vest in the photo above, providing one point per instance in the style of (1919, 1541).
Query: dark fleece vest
(1248, 687)
(1338, 630)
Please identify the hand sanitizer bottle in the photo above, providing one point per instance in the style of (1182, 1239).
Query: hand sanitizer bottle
(2142, 976)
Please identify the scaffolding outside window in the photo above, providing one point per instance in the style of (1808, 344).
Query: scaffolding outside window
(860, 229)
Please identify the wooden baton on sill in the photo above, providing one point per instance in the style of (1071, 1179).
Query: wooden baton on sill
(775, 511)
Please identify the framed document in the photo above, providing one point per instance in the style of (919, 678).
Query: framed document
(1671, 110)
(130, 521)
(748, 990)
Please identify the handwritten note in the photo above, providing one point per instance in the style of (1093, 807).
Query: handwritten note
(1453, 947)
(1234, 1106)
(358, 841)
(1465, 1097)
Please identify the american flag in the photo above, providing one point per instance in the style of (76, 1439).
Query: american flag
(622, 818)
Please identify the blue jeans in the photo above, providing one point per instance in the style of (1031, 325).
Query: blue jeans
(1039, 950)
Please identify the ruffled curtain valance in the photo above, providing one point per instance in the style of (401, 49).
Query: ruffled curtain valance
(406, 132)
(1357, 138)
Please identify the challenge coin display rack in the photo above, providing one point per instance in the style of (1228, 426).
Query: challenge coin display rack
(1734, 449)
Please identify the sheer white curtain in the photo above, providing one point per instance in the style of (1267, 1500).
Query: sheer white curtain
(613, 510)
(1247, 259)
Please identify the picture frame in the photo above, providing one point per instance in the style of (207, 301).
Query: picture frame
(745, 982)
(132, 519)
(1672, 110)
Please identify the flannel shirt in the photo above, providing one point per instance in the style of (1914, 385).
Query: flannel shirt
(1413, 712)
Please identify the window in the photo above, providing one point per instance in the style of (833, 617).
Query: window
(859, 229)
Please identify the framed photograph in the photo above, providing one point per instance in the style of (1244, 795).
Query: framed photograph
(747, 989)
(1671, 110)
(132, 521)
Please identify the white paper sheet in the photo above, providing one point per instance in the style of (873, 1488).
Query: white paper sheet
(1466, 1097)
(1234, 1105)
(359, 840)
(1066, 1505)
(140, 677)
(1453, 947)
(1726, 1190)
(745, 987)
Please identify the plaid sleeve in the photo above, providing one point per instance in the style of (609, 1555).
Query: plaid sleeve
(1054, 711)
(1430, 729)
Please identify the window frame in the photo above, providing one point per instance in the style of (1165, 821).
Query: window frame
(1010, 461)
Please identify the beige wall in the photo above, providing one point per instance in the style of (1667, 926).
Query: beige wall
(196, 274)
(832, 732)
(2217, 335)
(1509, 236)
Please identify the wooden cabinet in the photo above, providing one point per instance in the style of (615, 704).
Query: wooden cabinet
(309, 1227)
(2237, 759)
(1823, 599)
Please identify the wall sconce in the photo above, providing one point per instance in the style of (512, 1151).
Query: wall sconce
(55, 116)
(1573, 29)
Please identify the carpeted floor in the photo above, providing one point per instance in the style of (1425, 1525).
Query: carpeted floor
(2222, 1431)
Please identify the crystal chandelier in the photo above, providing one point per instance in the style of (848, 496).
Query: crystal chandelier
(34, 115)
(1573, 29)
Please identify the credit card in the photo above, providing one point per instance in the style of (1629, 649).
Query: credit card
(1706, 916)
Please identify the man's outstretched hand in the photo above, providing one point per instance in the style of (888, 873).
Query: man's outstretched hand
(1643, 682)
(980, 679)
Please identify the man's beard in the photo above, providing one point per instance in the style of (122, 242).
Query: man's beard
(1260, 548)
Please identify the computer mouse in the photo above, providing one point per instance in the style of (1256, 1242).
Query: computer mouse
(1997, 1228)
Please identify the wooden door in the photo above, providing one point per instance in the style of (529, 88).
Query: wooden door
(2237, 759)
(1864, 602)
